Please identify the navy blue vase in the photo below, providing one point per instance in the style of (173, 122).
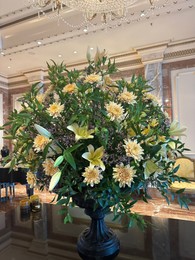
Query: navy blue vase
(98, 242)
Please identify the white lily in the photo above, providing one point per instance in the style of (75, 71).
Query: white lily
(176, 130)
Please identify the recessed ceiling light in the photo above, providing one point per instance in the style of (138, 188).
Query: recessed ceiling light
(9, 67)
(85, 30)
(39, 42)
(142, 14)
(2, 53)
(91, 48)
(75, 52)
(59, 55)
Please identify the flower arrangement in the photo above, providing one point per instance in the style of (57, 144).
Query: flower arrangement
(86, 133)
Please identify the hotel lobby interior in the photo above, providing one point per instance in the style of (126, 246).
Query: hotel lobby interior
(154, 39)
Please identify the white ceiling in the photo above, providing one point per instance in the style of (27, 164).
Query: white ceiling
(21, 28)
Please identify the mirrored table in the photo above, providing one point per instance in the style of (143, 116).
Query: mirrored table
(43, 235)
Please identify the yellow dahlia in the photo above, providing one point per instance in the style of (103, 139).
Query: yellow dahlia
(92, 176)
(55, 109)
(48, 166)
(70, 88)
(115, 111)
(92, 78)
(31, 179)
(124, 175)
(40, 142)
(133, 149)
(40, 98)
(153, 98)
(127, 97)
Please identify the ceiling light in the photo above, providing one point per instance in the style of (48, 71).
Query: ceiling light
(85, 30)
(2, 53)
(107, 9)
(91, 48)
(39, 42)
(9, 67)
(60, 55)
(75, 52)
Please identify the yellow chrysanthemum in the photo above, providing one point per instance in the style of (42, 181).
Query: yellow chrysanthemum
(55, 109)
(127, 97)
(95, 156)
(92, 176)
(40, 142)
(40, 98)
(92, 78)
(115, 111)
(31, 179)
(31, 156)
(48, 166)
(70, 88)
(133, 149)
(153, 98)
(81, 132)
(124, 175)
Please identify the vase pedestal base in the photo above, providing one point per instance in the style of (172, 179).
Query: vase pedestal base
(104, 249)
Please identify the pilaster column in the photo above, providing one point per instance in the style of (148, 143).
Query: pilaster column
(152, 58)
(35, 76)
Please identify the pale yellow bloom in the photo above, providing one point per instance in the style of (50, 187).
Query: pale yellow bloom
(146, 131)
(48, 166)
(153, 122)
(31, 156)
(70, 88)
(95, 156)
(133, 149)
(81, 132)
(115, 111)
(131, 132)
(92, 176)
(161, 138)
(109, 82)
(127, 97)
(31, 179)
(40, 142)
(20, 130)
(92, 78)
(124, 175)
(153, 98)
(176, 130)
(40, 98)
(55, 109)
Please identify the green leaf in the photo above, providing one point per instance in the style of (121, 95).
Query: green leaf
(70, 159)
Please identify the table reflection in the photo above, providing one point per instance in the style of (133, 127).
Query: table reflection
(43, 235)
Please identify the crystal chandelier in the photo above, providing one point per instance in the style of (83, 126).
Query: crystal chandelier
(55, 4)
(90, 8)
(106, 8)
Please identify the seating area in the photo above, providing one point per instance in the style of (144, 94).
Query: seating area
(8, 181)
(186, 170)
